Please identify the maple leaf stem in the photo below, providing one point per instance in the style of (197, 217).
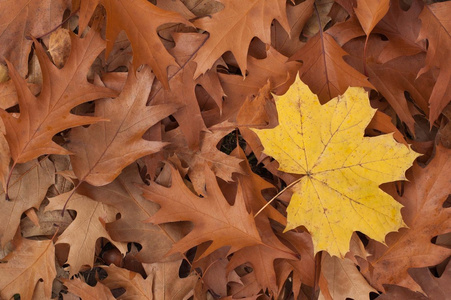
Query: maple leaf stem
(278, 194)
(56, 27)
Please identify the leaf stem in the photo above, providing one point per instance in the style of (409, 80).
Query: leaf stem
(70, 196)
(8, 180)
(278, 194)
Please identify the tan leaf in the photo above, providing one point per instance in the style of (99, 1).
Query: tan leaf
(21, 270)
(85, 230)
(28, 186)
(102, 150)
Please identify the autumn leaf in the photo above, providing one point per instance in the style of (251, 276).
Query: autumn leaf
(343, 169)
(102, 150)
(240, 18)
(29, 263)
(223, 165)
(370, 12)
(132, 17)
(183, 88)
(30, 135)
(83, 232)
(213, 218)
(124, 195)
(344, 279)
(324, 69)
(436, 28)
(162, 282)
(80, 288)
(28, 187)
(23, 19)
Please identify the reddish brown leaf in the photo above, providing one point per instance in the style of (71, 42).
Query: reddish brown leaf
(213, 218)
(324, 70)
(30, 135)
(102, 150)
(370, 12)
(425, 216)
(436, 28)
(132, 16)
(23, 19)
(244, 20)
(183, 88)
(223, 165)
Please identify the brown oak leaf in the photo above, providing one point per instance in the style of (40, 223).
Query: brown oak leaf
(80, 288)
(124, 195)
(183, 88)
(213, 218)
(85, 230)
(244, 21)
(22, 19)
(102, 150)
(28, 186)
(30, 135)
(324, 70)
(223, 165)
(29, 263)
(436, 28)
(425, 216)
(132, 16)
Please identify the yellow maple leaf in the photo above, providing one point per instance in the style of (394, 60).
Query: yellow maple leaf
(339, 193)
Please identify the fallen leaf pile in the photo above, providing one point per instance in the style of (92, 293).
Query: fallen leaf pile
(225, 149)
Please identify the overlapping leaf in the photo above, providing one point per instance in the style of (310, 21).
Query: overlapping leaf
(30, 135)
(102, 150)
(132, 16)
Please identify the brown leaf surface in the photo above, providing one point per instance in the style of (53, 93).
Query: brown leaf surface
(80, 288)
(22, 19)
(102, 150)
(88, 226)
(244, 20)
(30, 135)
(273, 68)
(435, 288)
(436, 28)
(22, 269)
(124, 195)
(27, 188)
(370, 12)
(213, 218)
(401, 28)
(344, 280)
(425, 216)
(162, 282)
(147, 46)
(324, 70)
(183, 88)
(223, 165)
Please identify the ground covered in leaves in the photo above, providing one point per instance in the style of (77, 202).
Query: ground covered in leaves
(202, 149)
